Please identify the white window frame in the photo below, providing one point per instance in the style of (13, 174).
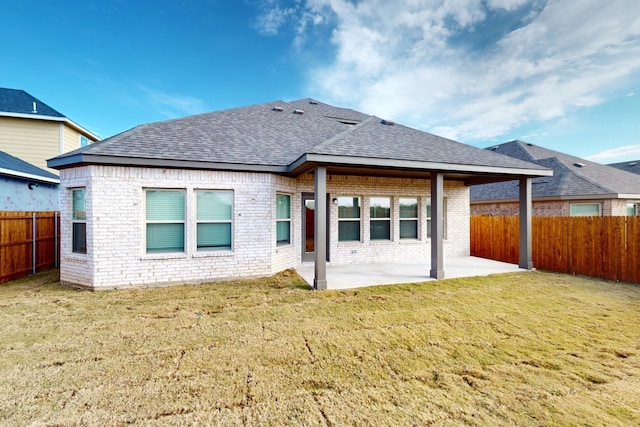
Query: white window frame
(219, 221)
(75, 221)
(599, 205)
(82, 138)
(635, 207)
(407, 219)
(283, 220)
(358, 219)
(183, 221)
(372, 220)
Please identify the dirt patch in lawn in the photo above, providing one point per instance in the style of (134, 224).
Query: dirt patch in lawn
(525, 348)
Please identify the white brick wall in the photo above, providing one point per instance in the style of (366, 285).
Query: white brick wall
(116, 255)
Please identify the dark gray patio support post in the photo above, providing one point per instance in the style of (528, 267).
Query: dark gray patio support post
(526, 257)
(320, 228)
(437, 225)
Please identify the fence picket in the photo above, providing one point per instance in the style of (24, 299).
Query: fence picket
(17, 247)
(603, 247)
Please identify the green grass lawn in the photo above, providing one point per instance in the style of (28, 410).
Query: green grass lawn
(524, 348)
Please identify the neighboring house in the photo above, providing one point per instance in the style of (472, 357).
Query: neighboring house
(578, 187)
(25, 187)
(632, 166)
(235, 193)
(34, 132)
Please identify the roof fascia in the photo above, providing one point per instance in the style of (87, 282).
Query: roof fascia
(52, 119)
(586, 197)
(81, 158)
(11, 172)
(411, 164)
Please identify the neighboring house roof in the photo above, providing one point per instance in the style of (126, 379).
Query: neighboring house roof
(13, 166)
(20, 104)
(290, 138)
(573, 177)
(632, 166)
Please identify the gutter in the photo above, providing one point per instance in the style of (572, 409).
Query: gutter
(29, 176)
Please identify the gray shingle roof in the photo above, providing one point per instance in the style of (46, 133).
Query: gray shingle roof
(13, 164)
(274, 135)
(20, 102)
(572, 176)
(631, 166)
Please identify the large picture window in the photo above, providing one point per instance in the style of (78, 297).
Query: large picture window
(215, 220)
(283, 219)
(349, 219)
(79, 221)
(165, 212)
(585, 209)
(444, 214)
(380, 218)
(408, 218)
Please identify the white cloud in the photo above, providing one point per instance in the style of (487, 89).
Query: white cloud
(616, 154)
(271, 19)
(442, 66)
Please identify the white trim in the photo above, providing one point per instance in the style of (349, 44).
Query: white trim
(28, 176)
(52, 119)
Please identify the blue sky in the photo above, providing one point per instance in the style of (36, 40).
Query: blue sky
(562, 74)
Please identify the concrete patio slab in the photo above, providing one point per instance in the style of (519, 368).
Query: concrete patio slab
(348, 276)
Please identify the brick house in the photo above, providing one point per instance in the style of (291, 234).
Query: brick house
(235, 193)
(578, 187)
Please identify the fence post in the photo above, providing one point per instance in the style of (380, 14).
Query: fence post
(33, 245)
(55, 240)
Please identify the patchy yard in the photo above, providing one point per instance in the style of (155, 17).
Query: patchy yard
(526, 348)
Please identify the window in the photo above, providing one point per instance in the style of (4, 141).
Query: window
(165, 220)
(348, 219)
(84, 141)
(215, 214)
(380, 218)
(283, 219)
(444, 214)
(585, 209)
(632, 209)
(408, 218)
(79, 222)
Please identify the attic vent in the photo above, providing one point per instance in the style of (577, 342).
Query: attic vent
(494, 148)
(387, 122)
(278, 109)
(35, 108)
(529, 144)
(633, 163)
(313, 102)
(578, 165)
(296, 111)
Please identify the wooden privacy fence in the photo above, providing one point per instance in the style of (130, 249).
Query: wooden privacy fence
(606, 247)
(29, 242)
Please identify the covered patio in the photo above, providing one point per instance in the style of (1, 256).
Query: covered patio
(349, 276)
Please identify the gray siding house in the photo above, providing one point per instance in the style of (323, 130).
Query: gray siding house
(25, 187)
(251, 191)
(578, 187)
